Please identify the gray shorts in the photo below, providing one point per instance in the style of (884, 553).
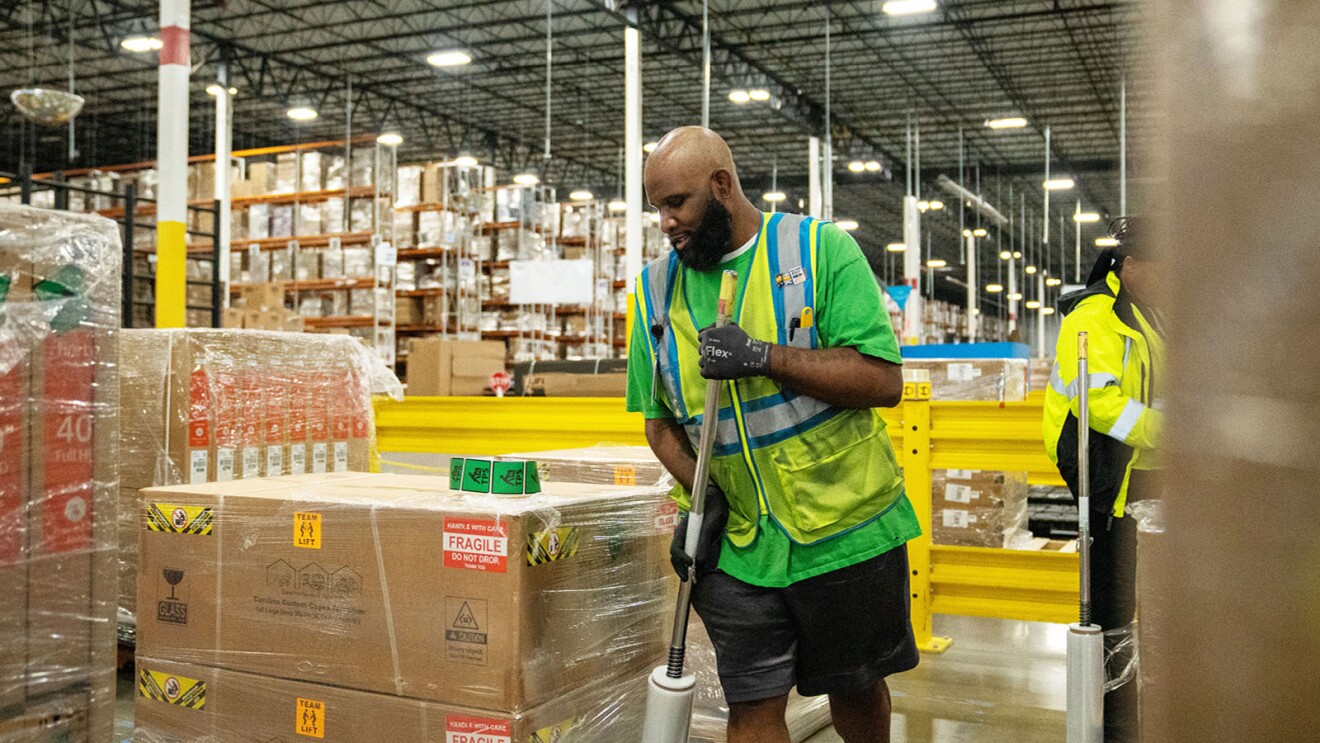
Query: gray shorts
(837, 633)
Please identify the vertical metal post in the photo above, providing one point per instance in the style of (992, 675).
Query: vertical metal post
(632, 51)
(1040, 312)
(1077, 269)
(972, 290)
(813, 177)
(705, 63)
(25, 183)
(223, 145)
(172, 166)
(219, 288)
(1046, 209)
(828, 186)
(1122, 147)
(130, 265)
(916, 473)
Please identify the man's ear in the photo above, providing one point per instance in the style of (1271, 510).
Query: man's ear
(721, 184)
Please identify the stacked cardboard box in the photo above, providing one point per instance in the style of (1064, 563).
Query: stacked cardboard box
(218, 405)
(996, 380)
(391, 599)
(978, 508)
(600, 465)
(59, 330)
(444, 366)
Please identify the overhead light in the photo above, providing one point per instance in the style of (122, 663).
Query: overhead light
(967, 233)
(581, 196)
(1033, 304)
(994, 288)
(759, 94)
(847, 225)
(526, 179)
(740, 96)
(936, 263)
(216, 89)
(1060, 184)
(142, 43)
(1014, 122)
(1015, 296)
(896, 247)
(1047, 311)
(1106, 242)
(449, 58)
(1004, 255)
(1017, 255)
(466, 161)
(923, 205)
(907, 7)
(301, 113)
(872, 166)
(1086, 217)
(857, 166)
(618, 205)
(936, 205)
(774, 197)
(1053, 281)
(649, 147)
(1031, 270)
(979, 232)
(390, 139)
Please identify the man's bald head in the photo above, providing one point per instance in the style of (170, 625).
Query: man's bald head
(692, 152)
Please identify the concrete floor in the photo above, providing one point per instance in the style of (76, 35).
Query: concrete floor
(1002, 681)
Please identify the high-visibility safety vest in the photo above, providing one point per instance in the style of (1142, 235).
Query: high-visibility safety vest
(1121, 345)
(817, 470)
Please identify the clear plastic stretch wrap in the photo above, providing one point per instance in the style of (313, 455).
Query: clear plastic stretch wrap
(994, 380)
(632, 465)
(1155, 554)
(978, 508)
(395, 586)
(218, 405)
(59, 472)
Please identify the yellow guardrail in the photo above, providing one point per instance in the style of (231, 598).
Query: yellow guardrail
(1010, 584)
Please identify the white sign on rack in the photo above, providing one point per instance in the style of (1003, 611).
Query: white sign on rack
(551, 282)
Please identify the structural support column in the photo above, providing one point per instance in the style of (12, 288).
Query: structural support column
(224, 124)
(1040, 315)
(973, 322)
(632, 51)
(1012, 294)
(913, 312)
(814, 197)
(172, 166)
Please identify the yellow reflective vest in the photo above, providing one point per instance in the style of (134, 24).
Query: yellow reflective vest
(1125, 353)
(816, 470)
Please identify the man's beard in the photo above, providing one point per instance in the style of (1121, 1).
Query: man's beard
(710, 240)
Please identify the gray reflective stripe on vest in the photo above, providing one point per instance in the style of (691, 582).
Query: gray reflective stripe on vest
(657, 287)
(790, 267)
(1099, 380)
(726, 433)
(1127, 351)
(1127, 421)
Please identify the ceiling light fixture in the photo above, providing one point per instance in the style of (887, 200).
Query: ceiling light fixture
(1053, 282)
(1031, 270)
(449, 58)
(1060, 184)
(994, 288)
(390, 139)
(1106, 242)
(1013, 122)
(1004, 255)
(872, 166)
(1033, 304)
(857, 166)
(896, 247)
(582, 195)
(907, 7)
(301, 113)
(774, 197)
(936, 263)
(1086, 217)
(847, 225)
(980, 232)
(1017, 255)
(1047, 311)
(216, 89)
(936, 205)
(466, 161)
(1015, 296)
(526, 179)
(142, 43)
(618, 205)
(759, 95)
(649, 147)
(740, 96)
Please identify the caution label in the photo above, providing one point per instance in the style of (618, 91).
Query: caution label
(666, 517)
(466, 637)
(554, 733)
(625, 475)
(174, 519)
(180, 691)
(307, 530)
(476, 544)
(464, 729)
(310, 718)
(552, 545)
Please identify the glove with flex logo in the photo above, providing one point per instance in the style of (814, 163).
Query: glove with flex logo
(729, 353)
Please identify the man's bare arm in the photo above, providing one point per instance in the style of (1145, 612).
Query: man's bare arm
(671, 446)
(842, 377)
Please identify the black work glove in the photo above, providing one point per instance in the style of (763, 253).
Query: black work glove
(729, 353)
(712, 533)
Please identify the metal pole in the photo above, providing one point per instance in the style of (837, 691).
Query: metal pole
(972, 291)
(632, 52)
(912, 310)
(172, 166)
(549, 59)
(1077, 258)
(1122, 147)
(813, 177)
(223, 144)
(962, 200)
(1046, 210)
(705, 63)
(1040, 313)
(829, 128)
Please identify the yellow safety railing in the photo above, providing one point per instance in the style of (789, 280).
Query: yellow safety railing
(1010, 584)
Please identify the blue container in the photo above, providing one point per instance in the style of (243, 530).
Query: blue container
(968, 351)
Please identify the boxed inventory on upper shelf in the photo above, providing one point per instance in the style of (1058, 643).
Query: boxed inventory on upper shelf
(59, 471)
(202, 405)
(979, 508)
(395, 585)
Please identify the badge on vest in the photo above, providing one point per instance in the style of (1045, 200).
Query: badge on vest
(793, 277)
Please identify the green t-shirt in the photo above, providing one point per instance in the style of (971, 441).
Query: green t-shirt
(849, 312)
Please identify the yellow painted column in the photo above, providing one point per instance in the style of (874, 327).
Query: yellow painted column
(916, 474)
(172, 166)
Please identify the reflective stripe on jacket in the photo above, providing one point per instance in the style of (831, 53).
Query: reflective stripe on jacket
(816, 470)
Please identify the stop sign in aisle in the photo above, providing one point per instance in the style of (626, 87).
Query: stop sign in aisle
(501, 382)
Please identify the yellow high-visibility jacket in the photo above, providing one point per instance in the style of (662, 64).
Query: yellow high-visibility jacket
(1125, 353)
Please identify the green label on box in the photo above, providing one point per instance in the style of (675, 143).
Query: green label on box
(473, 475)
(456, 473)
(533, 477)
(476, 475)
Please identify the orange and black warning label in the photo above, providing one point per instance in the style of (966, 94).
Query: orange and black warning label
(180, 691)
(307, 530)
(552, 545)
(310, 718)
(172, 519)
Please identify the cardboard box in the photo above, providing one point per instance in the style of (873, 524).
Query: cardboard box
(220, 705)
(261, 176)
(997, 380)
(263, 296)
(393, 584)
(977, 508)
(408, 311)
(232, 318)
(444, 367)
(576, 385)
(61, 718)
(601, 465)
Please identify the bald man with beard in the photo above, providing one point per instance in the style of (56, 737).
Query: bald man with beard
(801, 571)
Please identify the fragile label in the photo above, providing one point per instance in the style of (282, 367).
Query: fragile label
(959, 493)
(297, 459)
(464, 729)
(318, 458)
(552, 545)
(174, 519)
(251, 462)
(466, 632)
(625, 475)
(476, 544)
(180, 691)
(341, 456)
(666, 517)
(197, 467)
(310, 718)
(274, 461)
(307, 530)
(224, 465)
